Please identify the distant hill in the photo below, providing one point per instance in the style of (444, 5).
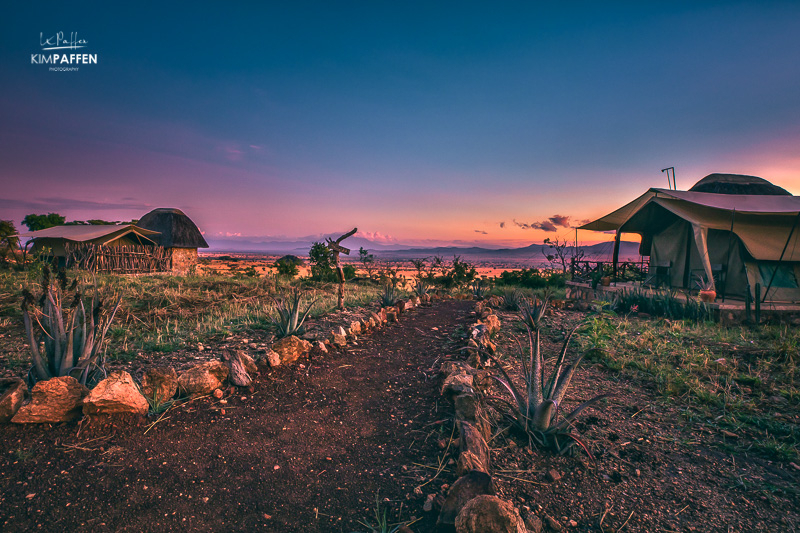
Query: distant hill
(533, 253)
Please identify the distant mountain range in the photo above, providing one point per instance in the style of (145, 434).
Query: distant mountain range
(532, 253)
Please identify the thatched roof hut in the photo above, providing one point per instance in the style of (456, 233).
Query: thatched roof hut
(177, 234)
(175, 228)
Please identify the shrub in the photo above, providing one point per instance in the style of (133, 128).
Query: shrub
(288, 266)
(321, 259)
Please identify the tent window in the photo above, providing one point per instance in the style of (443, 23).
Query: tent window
(784, 275)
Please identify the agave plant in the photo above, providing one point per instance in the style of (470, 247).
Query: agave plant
(389, 296)
(73, 336)
(535, 409)
(421, 288)
(289, 319)
(512, 299)
(479, 289)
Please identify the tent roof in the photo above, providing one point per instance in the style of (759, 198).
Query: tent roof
(742, 203)
(80, 233)
(176, 229)
(738, 184)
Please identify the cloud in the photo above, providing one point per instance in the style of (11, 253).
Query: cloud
(376, 236)
(481, 232)
(66, 204)
(550, 225)
(560, 220)
(544, 225)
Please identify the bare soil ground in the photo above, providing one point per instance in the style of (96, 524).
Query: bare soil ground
(313, 446)
(310, 449)
(653, 468)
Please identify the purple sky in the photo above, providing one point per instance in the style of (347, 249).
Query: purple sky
(417, 122)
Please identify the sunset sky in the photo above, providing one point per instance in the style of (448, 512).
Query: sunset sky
(419, 122)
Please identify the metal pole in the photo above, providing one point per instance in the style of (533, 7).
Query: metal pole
(728, 258)
(780, 259)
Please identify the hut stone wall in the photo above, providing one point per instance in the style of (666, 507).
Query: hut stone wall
(183, 259)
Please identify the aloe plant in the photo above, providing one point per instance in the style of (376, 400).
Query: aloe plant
(389, 296)
(421, 288)
(73, 336)
(535, 409)
(289, 319)
(512, 299)
(479, 289)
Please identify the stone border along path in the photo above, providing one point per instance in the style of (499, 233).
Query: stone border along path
(356, 424)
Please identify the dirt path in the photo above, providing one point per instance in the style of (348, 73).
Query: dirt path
(310, 450)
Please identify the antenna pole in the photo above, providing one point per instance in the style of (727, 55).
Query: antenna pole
(672, 185)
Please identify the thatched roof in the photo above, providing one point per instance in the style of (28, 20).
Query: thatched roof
(176, 229)
(101, 234)
(738, 184)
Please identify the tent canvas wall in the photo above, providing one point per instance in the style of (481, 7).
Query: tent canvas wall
(755, 238)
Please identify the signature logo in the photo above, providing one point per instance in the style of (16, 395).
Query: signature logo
(69, 54)
(59, 42)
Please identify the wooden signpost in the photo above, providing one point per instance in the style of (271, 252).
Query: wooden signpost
(337, 248)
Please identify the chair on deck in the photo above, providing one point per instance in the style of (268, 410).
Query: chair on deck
(660, 275)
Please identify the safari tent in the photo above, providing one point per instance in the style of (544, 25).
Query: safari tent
(122, 248)
(179, 236)
(739, 232)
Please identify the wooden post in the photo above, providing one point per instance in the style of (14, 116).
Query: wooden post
(337, 248)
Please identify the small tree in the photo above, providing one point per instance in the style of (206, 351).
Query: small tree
(37, 222)
(321, 259)
(288, 265)
(9, 241)
(367, 260)
(560, 253)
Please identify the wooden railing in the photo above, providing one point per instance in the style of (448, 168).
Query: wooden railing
(127, 259)
(626, 270)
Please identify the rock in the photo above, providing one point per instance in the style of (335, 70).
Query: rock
(55, 400)
(471, 440)
(553, 475)
(467, 487)
(340, 341)
(382, 314)
(115, 395)
(409, 305)
(249, 363)
(489, 514)
(13, 393)
(533, 523)
(203, 378)
(468, 461)
(320, 348)
(291, 348)
(160, 384)
(391, 314)
(456, 384)
(466, 407)
(355, 328)
(428, 505)
(400, 306)
(218, 394)
(272, 358)
(492, 324)
(454, 367)
(552, 523)
(341, 331)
